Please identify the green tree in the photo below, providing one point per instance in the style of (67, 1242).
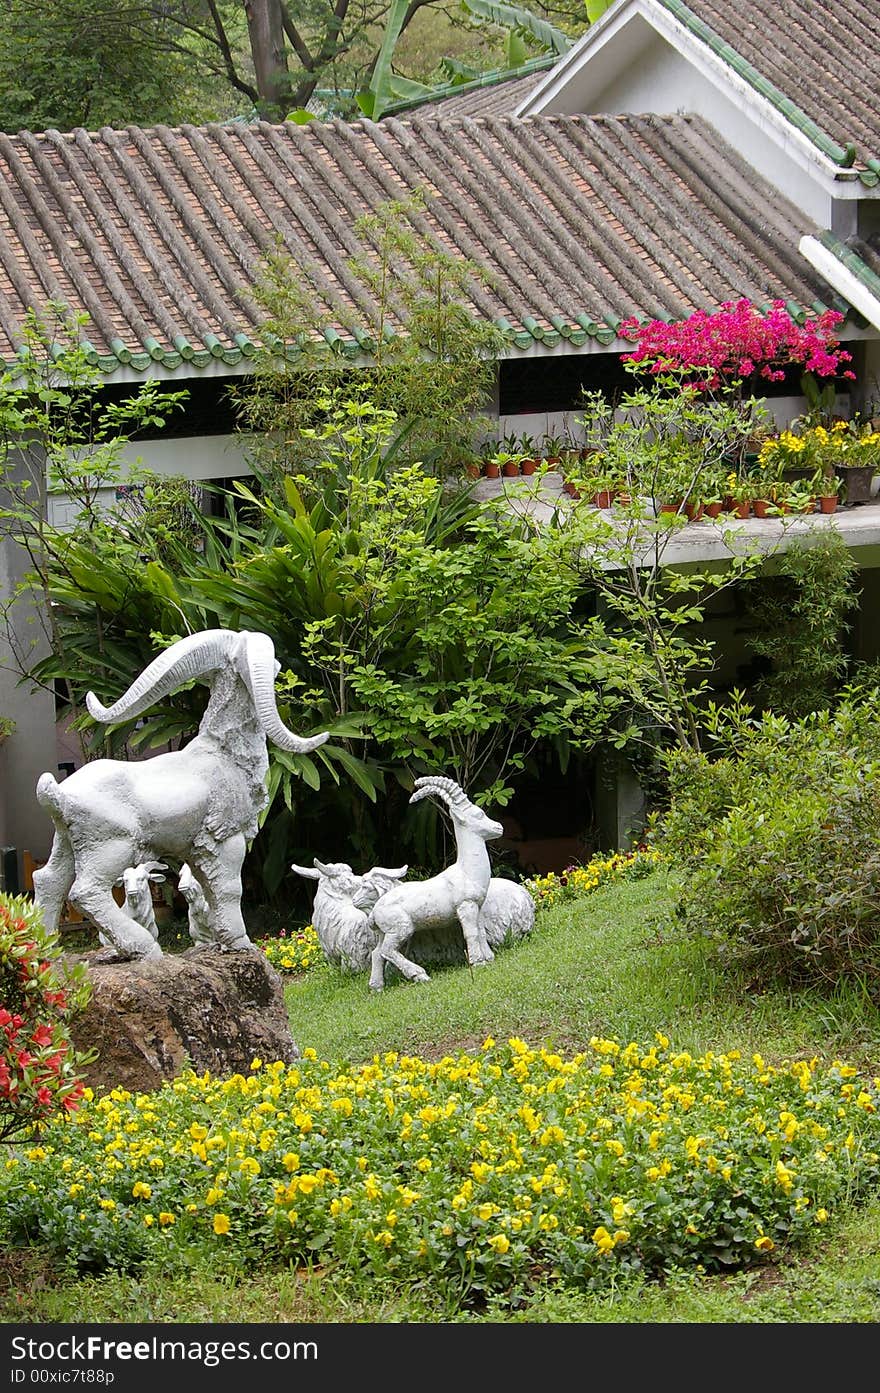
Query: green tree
(102, 62)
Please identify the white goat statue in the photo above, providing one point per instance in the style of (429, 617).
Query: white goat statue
(340, 912)
(138, 896)
(199, 804)
(198, 914)
(456, 894)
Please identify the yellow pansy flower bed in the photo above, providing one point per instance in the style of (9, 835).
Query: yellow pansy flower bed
(478, 1169)
(576, 881)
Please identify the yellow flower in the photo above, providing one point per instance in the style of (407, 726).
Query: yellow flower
(213, 1195)
(499, 1242)
(221, 1223)
(165, 1218)
(764, 1244)
(140, 1190)
(603, 1240)
(198, 1132)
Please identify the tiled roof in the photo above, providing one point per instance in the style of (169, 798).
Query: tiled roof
(581, 222)
(819, 64)
(492, 94)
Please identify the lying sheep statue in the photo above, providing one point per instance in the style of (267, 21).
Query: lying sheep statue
(341, 908)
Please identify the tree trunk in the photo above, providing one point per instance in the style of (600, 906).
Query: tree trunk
(266, 36)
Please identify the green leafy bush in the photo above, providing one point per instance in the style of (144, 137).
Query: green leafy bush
(779, 840)
(476, 1172)
(37, 1061)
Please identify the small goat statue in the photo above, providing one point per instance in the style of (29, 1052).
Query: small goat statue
(199, 804)
(456, 894)
(136, 881)
(197, 907)
(340, 913)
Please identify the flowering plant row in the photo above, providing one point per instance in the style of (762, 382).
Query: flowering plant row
(576, 881)
(37, 1061)
(479, 1170)
(821, 448)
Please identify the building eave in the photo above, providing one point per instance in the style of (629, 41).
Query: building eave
(845, 272)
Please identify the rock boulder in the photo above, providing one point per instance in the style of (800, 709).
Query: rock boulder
(204, 1008)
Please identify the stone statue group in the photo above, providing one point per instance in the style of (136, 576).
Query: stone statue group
(116, 820)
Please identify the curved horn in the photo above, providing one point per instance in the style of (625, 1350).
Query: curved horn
(260, 657)
(452, 794)
(189, 658)
(396, 874)
(308, 871)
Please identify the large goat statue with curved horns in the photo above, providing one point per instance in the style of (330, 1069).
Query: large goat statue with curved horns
(456, 894)
(198, 805)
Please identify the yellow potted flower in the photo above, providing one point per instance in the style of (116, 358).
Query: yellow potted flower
(855, 450)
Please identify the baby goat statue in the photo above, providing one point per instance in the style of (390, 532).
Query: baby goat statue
(455, 895)
(198, 805)
(137, 882)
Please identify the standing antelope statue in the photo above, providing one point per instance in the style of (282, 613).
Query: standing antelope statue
(455, 895)
(198, 805)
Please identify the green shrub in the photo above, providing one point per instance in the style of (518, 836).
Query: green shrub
(476, 1172)
(37, 1061)
(779, 841)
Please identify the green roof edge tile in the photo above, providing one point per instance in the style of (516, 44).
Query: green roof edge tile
(842, 155)
(852, 261)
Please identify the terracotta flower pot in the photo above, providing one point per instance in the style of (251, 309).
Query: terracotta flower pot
(712, 510)
(510, 470)
(760, 507)
(529, 466)
(472, 471)
(492, 471)
(828, 503)
(602, 499)
(742, 508)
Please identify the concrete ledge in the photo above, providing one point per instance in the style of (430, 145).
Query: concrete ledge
(708, 541)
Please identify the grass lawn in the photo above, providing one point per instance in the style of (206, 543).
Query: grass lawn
(607, 965)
